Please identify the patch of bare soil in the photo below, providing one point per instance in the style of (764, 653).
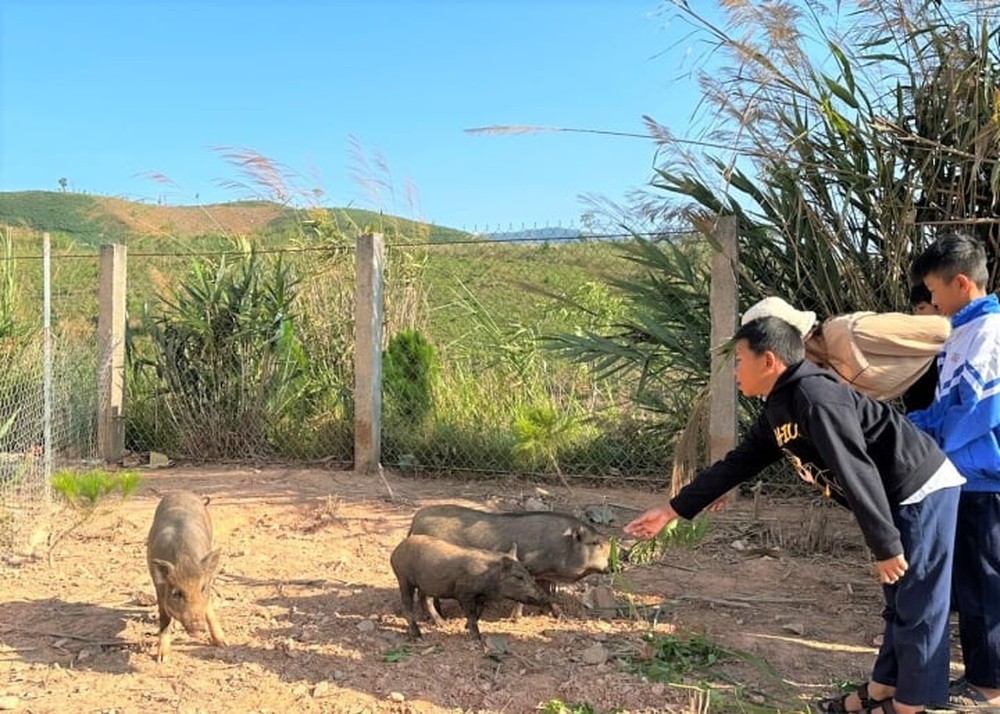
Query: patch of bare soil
(313, 616)
(238, 218)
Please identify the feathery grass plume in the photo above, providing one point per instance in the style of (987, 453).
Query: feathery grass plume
(849, 147)
(262, 177)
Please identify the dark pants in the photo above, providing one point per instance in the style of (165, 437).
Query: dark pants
(976, 586)
(915, 651)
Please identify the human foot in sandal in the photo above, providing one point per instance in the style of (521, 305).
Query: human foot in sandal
(965, 696)
(862, 697)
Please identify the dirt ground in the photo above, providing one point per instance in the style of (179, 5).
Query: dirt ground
(313, 616)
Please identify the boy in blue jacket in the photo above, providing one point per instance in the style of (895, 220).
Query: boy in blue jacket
(902, 490)
(964, 419)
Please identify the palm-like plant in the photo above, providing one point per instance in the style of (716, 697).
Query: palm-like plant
(848, 153)
(661, 347)
(228, 360)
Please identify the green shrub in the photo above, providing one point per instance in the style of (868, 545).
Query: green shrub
(409, 370)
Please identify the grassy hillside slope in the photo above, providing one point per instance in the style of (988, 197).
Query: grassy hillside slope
(92, 220)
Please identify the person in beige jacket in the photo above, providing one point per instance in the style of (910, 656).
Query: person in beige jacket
(881, 354)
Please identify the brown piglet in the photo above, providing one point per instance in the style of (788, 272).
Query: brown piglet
(438, 569)
(183, 565)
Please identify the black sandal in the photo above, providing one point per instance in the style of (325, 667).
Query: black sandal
(963, 696)
(838, 705)
(883, 706)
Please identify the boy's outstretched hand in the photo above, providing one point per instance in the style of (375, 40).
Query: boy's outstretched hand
(651, 522)
(891, 569)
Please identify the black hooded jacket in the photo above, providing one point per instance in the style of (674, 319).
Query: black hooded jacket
(858, 451)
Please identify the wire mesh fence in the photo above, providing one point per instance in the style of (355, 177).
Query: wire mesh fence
(240, 354)
(470, 386)
(246, 354)
(49, 388)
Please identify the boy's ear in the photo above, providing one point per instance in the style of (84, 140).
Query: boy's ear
(965, 283)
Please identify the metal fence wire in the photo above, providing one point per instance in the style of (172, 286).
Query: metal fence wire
(470, 384)
(247, 355)
(240, 354)
(49, 394)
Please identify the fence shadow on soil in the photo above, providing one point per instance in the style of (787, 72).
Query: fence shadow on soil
(77, 634)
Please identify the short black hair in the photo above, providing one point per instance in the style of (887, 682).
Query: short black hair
(919, 293)
(772, 334)
(950, 255)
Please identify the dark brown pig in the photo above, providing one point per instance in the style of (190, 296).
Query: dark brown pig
(470, 575)
(554, 547)
(183, 565)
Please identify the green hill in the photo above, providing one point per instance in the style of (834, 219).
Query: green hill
(92, 220)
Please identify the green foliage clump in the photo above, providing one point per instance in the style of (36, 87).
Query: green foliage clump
(85, 492)
(677, 533)
(397, 654)
(668, 658)
(409, 371)
(541, 431)
(226, 359)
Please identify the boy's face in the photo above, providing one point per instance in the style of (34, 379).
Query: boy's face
(756, 373)
(949, 296)
(925, 308)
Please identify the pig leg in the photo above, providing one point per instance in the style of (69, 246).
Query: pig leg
(215, 627)
(163, 642)
(473, 608)
(433, 606)
(407, 590)
(549, 588)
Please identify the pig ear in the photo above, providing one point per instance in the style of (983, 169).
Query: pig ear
(162, 570)
(513, 551)
(210, 563)
(506, 563)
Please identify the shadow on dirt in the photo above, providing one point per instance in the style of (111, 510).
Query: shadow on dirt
(354, 636)
(291, 486)
(71, 634)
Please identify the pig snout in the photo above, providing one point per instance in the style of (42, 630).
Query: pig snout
(590, 552)
(516, 583)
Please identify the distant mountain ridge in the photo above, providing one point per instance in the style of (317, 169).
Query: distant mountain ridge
(93, 220)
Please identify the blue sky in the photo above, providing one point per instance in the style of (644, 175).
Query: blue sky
(107, 93)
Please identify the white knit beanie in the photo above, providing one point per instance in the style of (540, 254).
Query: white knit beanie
(801, 320)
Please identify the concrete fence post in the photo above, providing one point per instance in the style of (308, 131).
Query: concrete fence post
(111, 352)
(724, 305)
(368, 320)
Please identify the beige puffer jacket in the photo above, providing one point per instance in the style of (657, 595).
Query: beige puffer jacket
(879, 354)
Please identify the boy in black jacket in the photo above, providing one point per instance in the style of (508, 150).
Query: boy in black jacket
(900, 486)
